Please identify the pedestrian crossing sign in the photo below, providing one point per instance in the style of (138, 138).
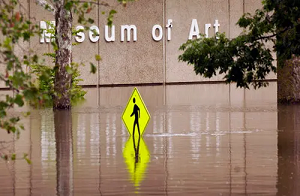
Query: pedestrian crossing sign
(136, 115)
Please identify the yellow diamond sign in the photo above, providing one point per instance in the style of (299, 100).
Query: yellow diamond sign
(136, 115)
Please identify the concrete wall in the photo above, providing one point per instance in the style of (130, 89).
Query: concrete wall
(146, 60)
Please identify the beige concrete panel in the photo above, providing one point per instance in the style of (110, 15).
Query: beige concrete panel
(182, 12)
(84, 53)
(3, 94)
(21, 48)
(272, 75)
(37, 14)
(119, 96)
(236, 11)
(263, 97)
(2, 65)
(252, 5)
(133, 62)
(236, 96)
(205, 95)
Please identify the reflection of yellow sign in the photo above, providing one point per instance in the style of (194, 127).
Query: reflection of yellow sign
(136, 115)
(136, 156)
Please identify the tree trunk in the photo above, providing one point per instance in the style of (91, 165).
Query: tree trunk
(288, 79)
(63, 32)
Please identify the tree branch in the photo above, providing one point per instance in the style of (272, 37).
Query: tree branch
(9, 83)
(46, 5)
(95, 3)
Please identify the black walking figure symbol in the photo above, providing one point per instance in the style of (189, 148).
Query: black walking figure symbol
(136, 151)
(136, 112)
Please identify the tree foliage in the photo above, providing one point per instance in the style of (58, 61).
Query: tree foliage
(247, 59)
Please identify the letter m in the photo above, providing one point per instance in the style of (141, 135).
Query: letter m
(128, 28)
(47, 32)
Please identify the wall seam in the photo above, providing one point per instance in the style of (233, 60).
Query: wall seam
(164, 52)
(164, 42)
(98, 63)
(229, 16)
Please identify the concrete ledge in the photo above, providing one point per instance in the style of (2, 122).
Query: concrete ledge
(159, 84)
(153, 84)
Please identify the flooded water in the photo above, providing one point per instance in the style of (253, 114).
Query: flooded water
(201, 140)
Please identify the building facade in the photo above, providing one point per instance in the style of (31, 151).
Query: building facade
(142, 46)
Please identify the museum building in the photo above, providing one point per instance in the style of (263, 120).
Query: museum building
(142, 46)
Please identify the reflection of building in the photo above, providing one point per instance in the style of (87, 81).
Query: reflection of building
(228, 147)
(238, 134)
(48, 148)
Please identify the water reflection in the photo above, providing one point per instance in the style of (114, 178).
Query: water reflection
(288, 150)
(206, 140)
(64, 152)
(137, 157)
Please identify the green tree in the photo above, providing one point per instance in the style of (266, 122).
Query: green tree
(247, 59)
(16, 29)
(63, 11)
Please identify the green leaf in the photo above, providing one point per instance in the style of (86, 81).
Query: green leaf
(13, 157)
(69, 70)
(25, 156)
(69, 5)
(85, 5)
(112, 12)
(19, 100)
(98, 57)
(2, 113)
(26, 36)
(93, 68)
(28, 160)
(91, 21)
(26, 114)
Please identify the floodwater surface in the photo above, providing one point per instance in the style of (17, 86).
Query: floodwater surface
(201, 140)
